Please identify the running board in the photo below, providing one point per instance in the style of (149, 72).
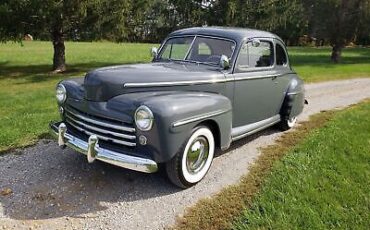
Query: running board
(246, 130)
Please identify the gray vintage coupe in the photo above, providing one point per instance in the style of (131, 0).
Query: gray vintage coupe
(205, 88)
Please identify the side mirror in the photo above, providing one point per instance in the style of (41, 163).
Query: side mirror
(154, 52)
(224, 62)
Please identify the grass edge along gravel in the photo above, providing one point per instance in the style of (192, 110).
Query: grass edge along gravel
(224, 208)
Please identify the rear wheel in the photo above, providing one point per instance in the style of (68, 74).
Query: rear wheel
(287, 123)
(194, 159)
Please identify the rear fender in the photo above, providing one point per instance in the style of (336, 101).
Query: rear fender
(294, 99)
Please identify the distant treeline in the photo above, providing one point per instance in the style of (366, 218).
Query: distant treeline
(296, 21)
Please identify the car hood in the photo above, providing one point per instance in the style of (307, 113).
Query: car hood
(105, 83)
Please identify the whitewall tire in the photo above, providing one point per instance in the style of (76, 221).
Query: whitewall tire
(194, 159)
(291, 122)
(287, 124)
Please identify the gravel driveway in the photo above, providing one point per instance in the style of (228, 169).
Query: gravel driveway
(50, 188)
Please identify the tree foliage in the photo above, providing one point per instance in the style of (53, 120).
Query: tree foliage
(337, 22)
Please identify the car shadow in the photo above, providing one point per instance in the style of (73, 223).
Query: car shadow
(48, 182)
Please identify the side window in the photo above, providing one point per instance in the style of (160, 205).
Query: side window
(242, 64)
(262, 55)
(281, 58)
(255, 56)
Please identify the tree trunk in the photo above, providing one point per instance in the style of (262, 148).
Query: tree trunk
(59, 61)
(336, 53)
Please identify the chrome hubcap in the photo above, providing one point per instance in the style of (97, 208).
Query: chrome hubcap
(197, 155)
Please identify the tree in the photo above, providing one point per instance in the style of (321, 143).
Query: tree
(284, 17)
(339, 21)
(19, 17)
(336, 21)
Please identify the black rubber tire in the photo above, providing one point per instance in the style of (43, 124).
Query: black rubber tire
(173, 170)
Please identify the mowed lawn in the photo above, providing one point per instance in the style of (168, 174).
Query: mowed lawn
(323, 183)
(313, 64)
(27, 100)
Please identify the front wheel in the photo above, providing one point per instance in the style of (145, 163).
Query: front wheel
(192, 162)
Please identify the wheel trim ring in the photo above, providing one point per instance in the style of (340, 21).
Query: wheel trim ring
(194, 178)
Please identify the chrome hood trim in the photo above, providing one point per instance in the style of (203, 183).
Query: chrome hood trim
(173, 83)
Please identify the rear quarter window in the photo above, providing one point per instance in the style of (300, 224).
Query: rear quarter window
(281, 56)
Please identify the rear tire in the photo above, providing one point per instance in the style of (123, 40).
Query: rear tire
(193, 160)
(287, 123)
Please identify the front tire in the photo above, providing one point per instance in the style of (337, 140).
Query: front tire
(193, 160)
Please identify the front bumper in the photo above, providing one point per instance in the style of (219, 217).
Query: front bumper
(93, 151)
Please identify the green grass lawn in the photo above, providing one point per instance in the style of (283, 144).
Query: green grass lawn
(323, 183)
(313, 64)
(27, 101)
(314, 177)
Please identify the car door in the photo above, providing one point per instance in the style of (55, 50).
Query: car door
(256, 93)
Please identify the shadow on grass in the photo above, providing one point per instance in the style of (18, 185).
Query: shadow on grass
(317, 57)
(39, 73)
(63, 184)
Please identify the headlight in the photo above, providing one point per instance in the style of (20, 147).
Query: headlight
(144, 118)
(61, 94)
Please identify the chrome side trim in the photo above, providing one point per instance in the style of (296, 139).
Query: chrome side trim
(94, 151)
(132, 144)
(243, 131)
(198, 118)
(173, 83)
(182, 83)
(256, 77)
(294, 93)
(131, 137)
(104, 124)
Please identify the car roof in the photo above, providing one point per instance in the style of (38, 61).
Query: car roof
(234, 33)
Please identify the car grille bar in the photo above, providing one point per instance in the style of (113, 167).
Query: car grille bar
(102, 123)
(104, 130)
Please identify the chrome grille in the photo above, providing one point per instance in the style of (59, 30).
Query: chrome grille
(110, 131)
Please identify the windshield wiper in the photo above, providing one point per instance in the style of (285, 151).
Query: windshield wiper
(188, 61)
(198, 62)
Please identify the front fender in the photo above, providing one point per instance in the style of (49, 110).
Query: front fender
(176, 114)
(74, 87)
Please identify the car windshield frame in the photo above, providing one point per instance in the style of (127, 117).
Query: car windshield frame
(195, 36)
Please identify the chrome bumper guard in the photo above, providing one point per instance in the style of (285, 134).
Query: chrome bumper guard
(93, 151)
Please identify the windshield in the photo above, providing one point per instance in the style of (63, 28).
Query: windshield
(197, 49)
